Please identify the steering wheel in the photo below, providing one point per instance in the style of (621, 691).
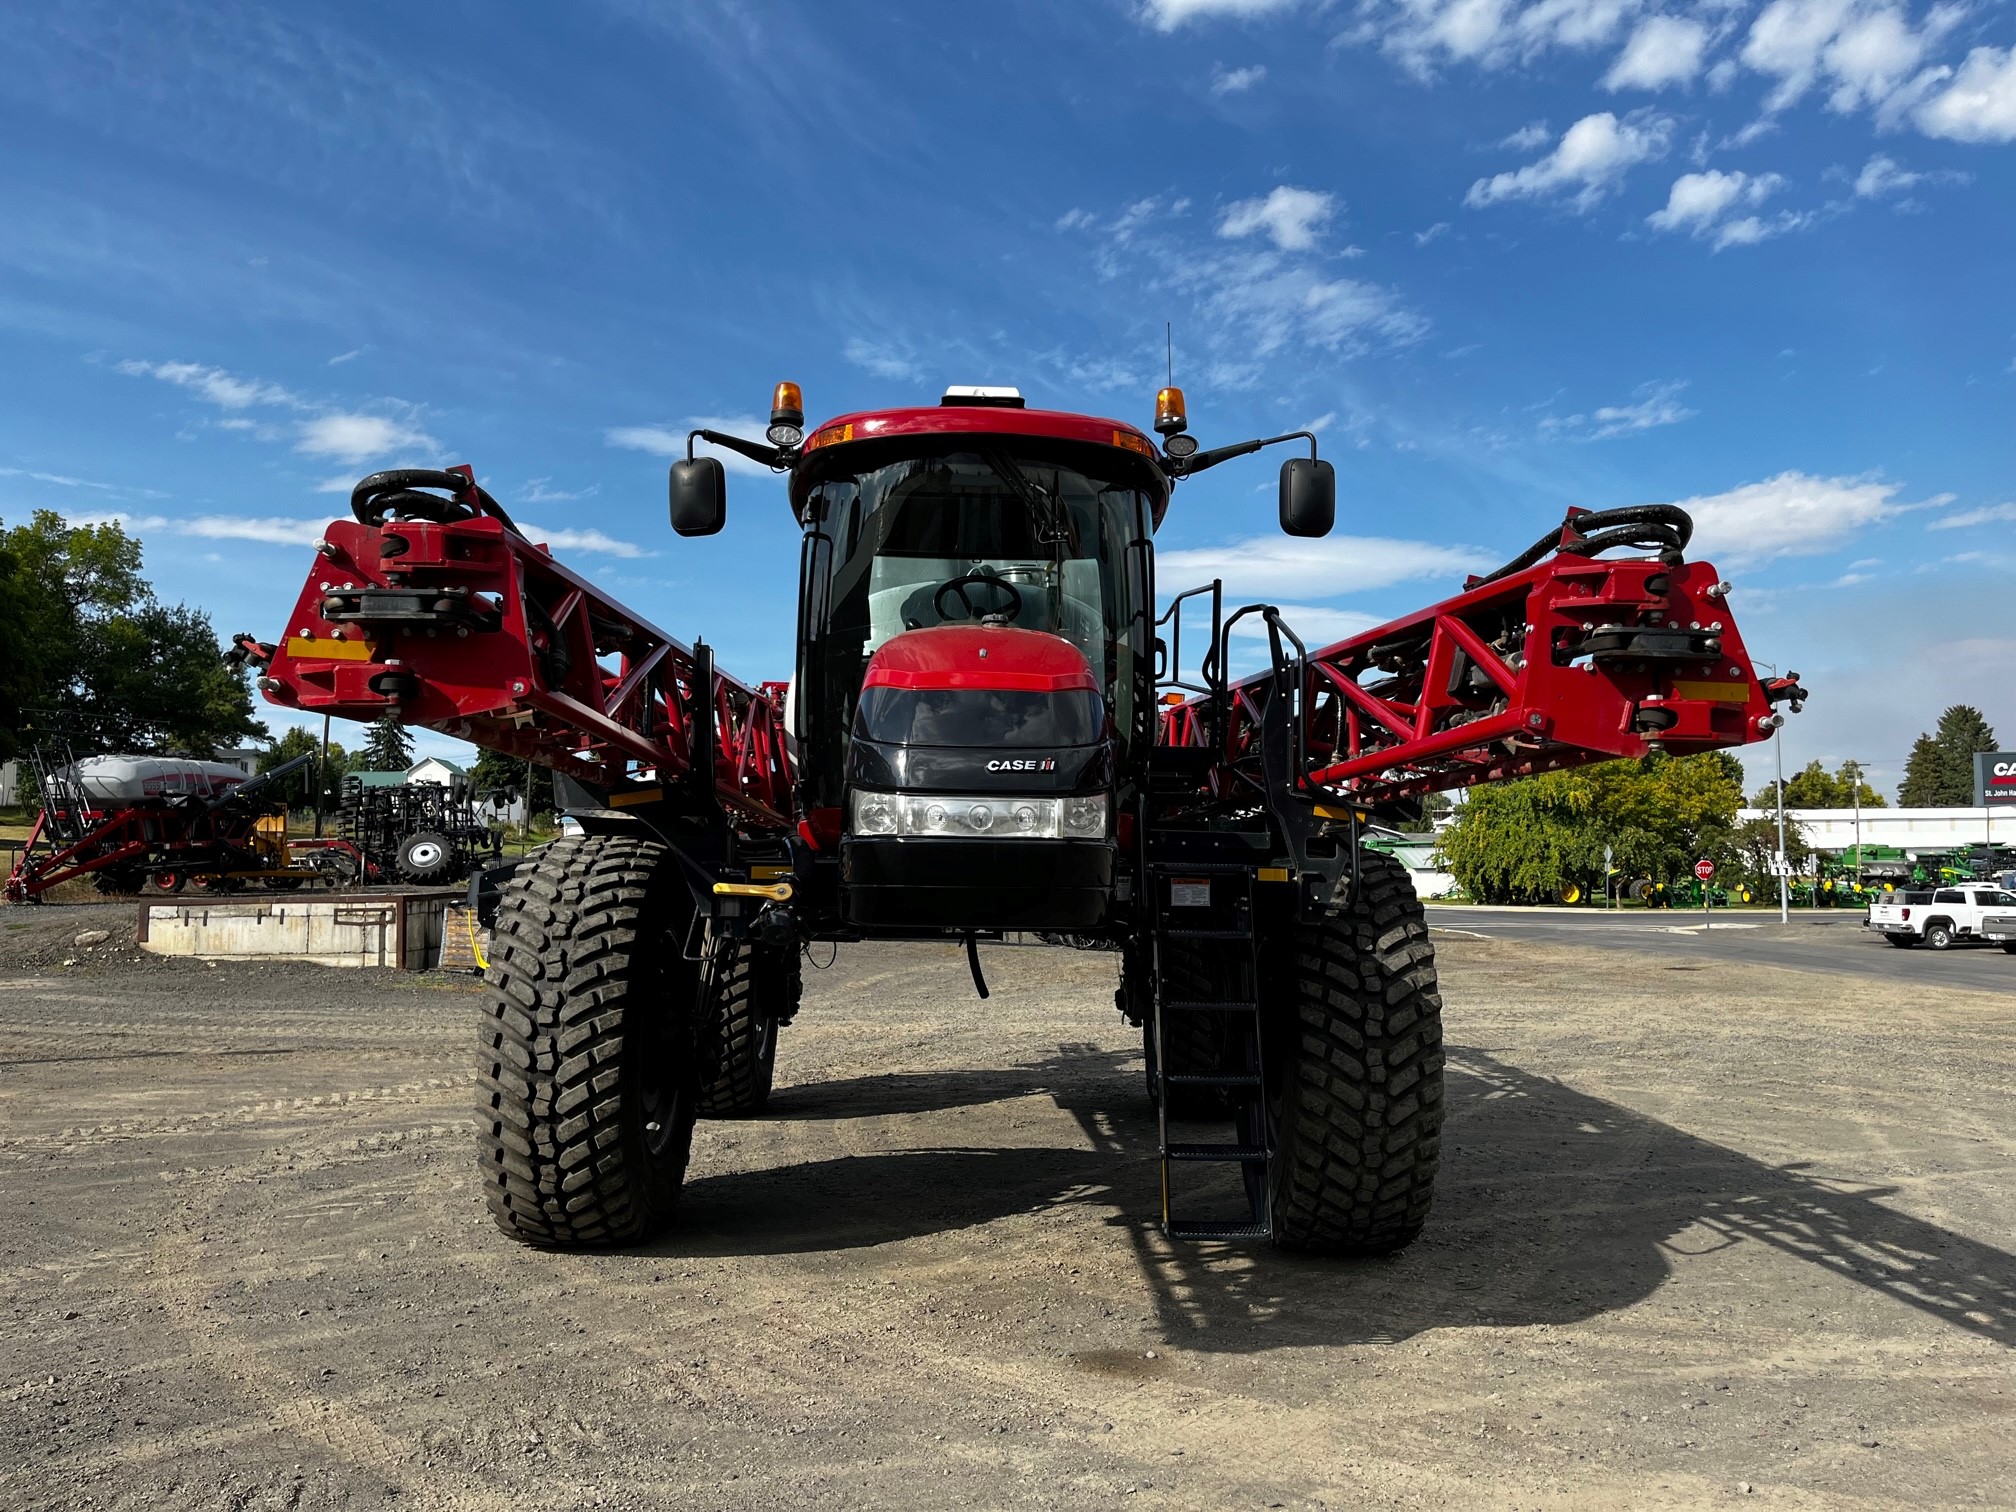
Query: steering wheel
(1010, 610)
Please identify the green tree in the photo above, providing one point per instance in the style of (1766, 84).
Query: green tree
(83, 637)
(1940, 771)
(387, 746)
(1755, 844)
(298, 789)
(495, 772)
(1814, 787)
(1523, 841)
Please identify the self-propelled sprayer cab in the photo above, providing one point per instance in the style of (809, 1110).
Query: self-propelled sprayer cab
(975, 658)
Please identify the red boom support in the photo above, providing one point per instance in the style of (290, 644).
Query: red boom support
(468, 628)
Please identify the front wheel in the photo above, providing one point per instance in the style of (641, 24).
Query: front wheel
(1901, 941)
(588, 1076)
(1355, 1049)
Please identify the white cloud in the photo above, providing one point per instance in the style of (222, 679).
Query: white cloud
(1526, 138)
(1274, 302)
(1421, 34)
(1422, 238)
(655, 439)
(360, 438)
(1979, 105)
(1276, 566)
(218, 387)
(270, 530)
(1663, 50)
(342, 357)
(1881, 176)
(1698, 200)
(883, 359)
(1700, 204)
(1167, 15)
(1658, 404)
(580, 540)
(661, 442)
(1590, 160)
(535, 491)
(1988, 514)
(1231, 81)
(1864, 49)
(338, 485)
(1291, 217)
(1075, 220)
(1793, 514)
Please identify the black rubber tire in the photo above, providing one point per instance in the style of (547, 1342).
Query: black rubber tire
(1355, 1054)
(587, 1079)
(1901, 941)
(759, 994)
(119, 881)
(2009, 950)
(1939, 935)
(426, 856)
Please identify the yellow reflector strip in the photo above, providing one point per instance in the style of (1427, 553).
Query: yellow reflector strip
(828, 435)
(1732, 691)
(1324, 811)
(303, 649)
(629, 800)
(1133, 441)
(1273, 874)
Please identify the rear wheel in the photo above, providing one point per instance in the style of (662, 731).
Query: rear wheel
(426, 857)
(119, 881)
(1355, 1053)
(1939, 935)
(588, 1077)
(758, 995)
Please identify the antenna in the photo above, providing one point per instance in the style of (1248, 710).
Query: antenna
(1169, 346)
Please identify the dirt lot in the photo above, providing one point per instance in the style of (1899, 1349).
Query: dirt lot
(1706, 1234)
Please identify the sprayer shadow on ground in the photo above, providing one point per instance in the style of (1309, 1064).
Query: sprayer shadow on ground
(1555, 1206)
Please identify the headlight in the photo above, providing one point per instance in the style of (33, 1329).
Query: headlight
(1078, 818)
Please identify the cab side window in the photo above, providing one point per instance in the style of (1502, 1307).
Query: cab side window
(1947, 895)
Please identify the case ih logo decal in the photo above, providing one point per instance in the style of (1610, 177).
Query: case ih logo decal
(1024, 764)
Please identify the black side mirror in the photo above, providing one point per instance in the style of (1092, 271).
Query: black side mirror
(700, 496)
(1308, 496)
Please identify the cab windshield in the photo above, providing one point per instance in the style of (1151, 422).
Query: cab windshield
(1017, 537)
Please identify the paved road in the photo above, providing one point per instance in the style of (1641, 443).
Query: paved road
(1814, 941)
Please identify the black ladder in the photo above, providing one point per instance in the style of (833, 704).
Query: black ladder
(1207, 907)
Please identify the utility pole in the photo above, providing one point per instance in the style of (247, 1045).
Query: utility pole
(322, 777)
(1783, 867)
(1854, 770)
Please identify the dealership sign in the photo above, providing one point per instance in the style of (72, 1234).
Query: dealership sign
(1995, 779)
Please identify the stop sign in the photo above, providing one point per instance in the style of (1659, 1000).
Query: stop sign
(1704, 869)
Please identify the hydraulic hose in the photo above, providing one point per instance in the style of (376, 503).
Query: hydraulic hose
(399, 492)
(1666, 528)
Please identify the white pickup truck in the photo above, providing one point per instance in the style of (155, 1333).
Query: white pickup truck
(1942, 917)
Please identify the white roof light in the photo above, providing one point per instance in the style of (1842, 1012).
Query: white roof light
(983, 394)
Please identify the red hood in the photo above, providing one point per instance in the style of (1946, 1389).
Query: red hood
(980, 656)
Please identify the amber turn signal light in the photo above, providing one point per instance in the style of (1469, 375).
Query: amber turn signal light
(1170, 418)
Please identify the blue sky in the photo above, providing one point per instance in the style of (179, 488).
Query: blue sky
(1504, 257)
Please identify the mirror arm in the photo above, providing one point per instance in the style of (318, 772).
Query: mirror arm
(1185, 466)
(755, 451)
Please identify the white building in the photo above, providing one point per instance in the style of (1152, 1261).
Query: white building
(1907, 829)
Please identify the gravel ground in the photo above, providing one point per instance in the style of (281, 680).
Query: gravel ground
(1706, 1234)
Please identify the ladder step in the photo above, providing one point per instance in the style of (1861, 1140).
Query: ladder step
(1214, 868)
(1193, 1079)
(1194, 1005)
(1213, 1228)
(1241, 1154)
(1207, 934)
